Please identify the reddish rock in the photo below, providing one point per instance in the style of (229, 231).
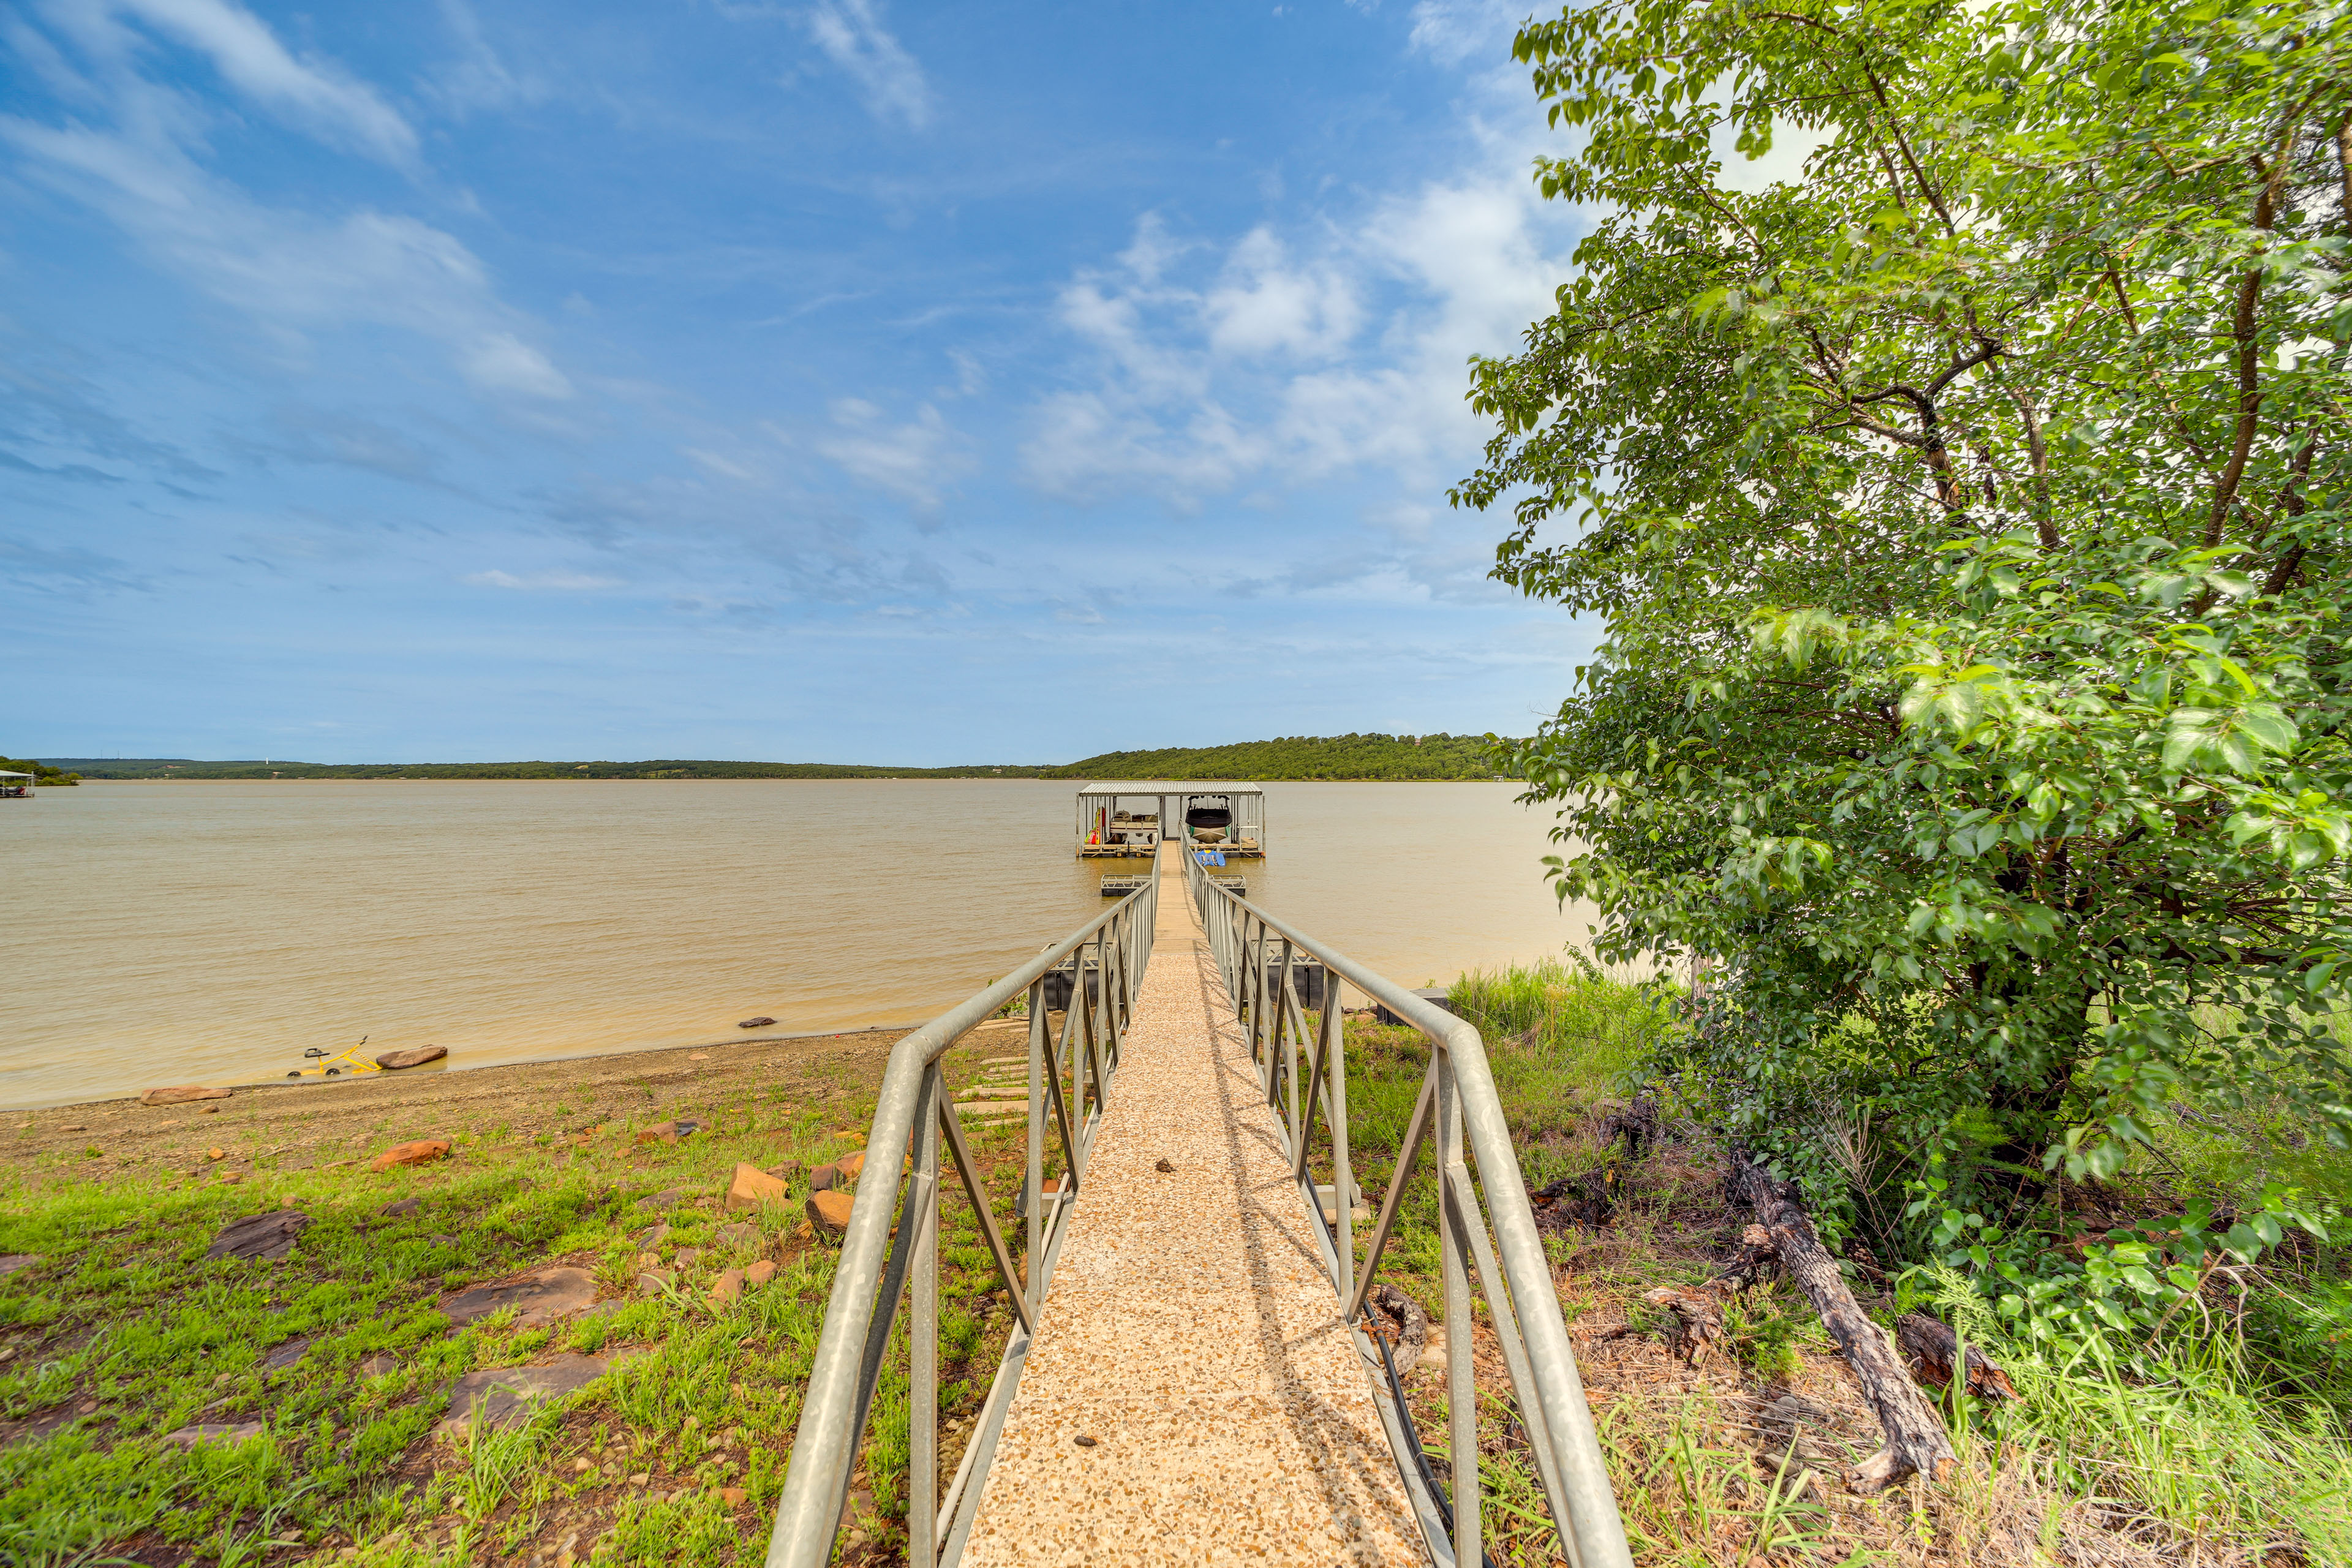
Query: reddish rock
(759, 1273)
(423, 1151)
(829, 1212)
(851, 1166)
(727, 1287)
(733, 1497)
(825, 1178)
(753, 1187)
(414, 1056)
(181, 1094)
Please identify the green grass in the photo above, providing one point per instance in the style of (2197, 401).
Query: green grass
(129, 1333)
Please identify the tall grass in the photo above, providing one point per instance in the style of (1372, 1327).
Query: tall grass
(1593, 1027)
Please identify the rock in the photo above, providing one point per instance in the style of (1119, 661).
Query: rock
(504, 1395)
(286, 1354)
(760, 1023)
(269, 1235)
(651, 1237)
(698, 1055)
(660, 1200)
(759, 1273)
(825, 1178)
(652, 1282)
(733, 1497)
(785, 1171)
(414, 1056)
(17, 1262)
(1399, 1319)
(423, 1151)
(542, 1297)
(216, 1153)
(687, 1257)
(1164, 1168)
(849, 1135)
(753, 1186)
(232, 1177)
(380, 1364)
(670, 1132)
(213, 1432)
(727, 1287)
(733, 1236)
(829, 1213)
(401, 1208)
(181, 1094)
(851, 1166)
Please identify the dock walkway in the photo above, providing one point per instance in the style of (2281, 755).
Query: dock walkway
(1191, 1331)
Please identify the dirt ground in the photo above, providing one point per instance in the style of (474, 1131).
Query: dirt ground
(327, 1123)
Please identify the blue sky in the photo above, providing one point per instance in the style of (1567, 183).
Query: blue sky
(852, 380)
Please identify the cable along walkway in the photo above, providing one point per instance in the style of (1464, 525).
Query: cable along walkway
(1192, 1333)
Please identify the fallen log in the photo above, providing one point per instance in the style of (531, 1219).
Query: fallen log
(1915, 1438)
(1929, 1346)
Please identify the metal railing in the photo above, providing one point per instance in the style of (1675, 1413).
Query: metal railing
(1459, 1111)
(916, 1113)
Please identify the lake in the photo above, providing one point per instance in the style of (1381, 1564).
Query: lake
(196, 932)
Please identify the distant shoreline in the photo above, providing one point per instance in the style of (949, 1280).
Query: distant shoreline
(1300, 759)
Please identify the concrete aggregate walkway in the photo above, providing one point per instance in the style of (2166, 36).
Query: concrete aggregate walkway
(1191, 1331)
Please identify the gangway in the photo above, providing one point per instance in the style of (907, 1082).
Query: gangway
(1188, 1378)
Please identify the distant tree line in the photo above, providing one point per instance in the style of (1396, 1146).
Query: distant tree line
(43, 773)
(1430, 757)
(1418, 757)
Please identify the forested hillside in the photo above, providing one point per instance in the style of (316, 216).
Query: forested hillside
(1435, 757)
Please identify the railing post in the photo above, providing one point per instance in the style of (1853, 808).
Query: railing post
(1290, 1044)
(1035, 1175)
(923, 1345)
(1461, 1375)
(1343, 1175)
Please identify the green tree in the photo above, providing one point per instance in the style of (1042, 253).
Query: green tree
(1967, 523)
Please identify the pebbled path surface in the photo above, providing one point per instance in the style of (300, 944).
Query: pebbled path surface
(1191, 1331)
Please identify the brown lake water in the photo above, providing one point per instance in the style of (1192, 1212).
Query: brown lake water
(208, 932)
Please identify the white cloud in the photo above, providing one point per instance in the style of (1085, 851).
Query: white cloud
(1452, 32)
(311, 90)
(910, 460)
(851, 35)
(547, 582)
(478, 77)
(293, 273)
(1341, 349)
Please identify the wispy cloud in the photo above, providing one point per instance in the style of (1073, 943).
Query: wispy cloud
(476, 77)
(851, 35)
(137, 162)
(911, 460)
(313, 92)
(551, 581)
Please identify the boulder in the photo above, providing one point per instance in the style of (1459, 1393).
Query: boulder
(825, 1178)
(182, 1093)
(759, 1273)
(414, 1056)
(727, 1287)
(753, 1186)
(269, 1236)
(652, 1282)
(504, 1395)
(542, 1297)
(851, 1166)
(423, 1151)
(213, 1432)
(829, 1213)
(401, 1208)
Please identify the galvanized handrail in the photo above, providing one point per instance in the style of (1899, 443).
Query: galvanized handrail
(1457, 1093)
(915, 1113)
